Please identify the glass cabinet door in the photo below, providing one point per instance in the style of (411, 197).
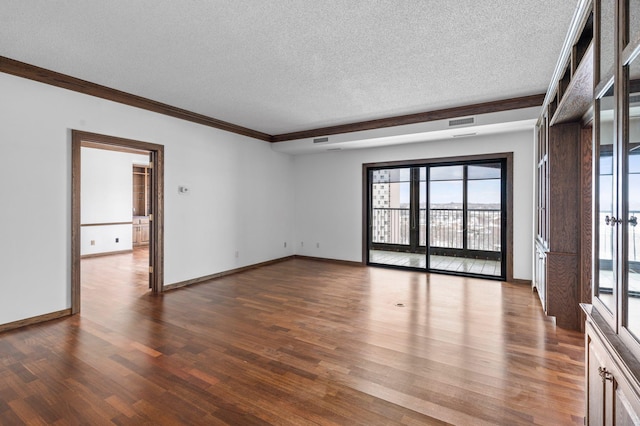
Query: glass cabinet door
(631, 197)
(605, 200)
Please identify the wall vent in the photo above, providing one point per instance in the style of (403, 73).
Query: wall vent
(461, 121)
(321, 140)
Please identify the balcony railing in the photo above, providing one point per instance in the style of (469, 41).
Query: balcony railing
(392, 226)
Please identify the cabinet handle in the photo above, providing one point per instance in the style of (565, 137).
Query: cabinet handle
(604, 374)
(611, 220)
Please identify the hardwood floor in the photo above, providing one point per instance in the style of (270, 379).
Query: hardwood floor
(299, 342)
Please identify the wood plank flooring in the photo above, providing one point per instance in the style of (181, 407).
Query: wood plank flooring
(300, 342)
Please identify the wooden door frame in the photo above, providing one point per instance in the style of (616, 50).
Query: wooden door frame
(156, 226)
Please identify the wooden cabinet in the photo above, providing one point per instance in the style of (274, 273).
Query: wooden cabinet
(612, 328)
(558, 235)
(611, 372)
(559, 276)
(140, 230)
(141, 190)
(141, 204)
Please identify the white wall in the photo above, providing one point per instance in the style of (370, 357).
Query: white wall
(328, 187)
(107, 197)
(241, 193)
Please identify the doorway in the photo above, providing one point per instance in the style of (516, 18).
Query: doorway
(155, 217)
(446, 215)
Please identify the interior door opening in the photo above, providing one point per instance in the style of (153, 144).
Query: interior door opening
(447, 216)
(117, 215)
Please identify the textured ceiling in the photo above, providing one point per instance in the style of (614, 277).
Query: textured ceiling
(287, 65)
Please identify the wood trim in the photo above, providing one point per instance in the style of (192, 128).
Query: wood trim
(223, 274)
(365, 214)
(106, 253)
(507, 156)
(519, 281)
(76, 156)
(509, 185)
(106, 224)
(34, 320)
(156, 227)
(421, 117)
(586, 218)
(42, 75)
(114, 148)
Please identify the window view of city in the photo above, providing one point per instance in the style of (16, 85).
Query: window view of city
(458, 208)
(391, 218)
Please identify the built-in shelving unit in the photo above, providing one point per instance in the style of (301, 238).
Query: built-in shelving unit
(596, 85)
(560, 133)
(574, 90)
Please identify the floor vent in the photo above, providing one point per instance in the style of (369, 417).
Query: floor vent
(321, 140)
(461, 121)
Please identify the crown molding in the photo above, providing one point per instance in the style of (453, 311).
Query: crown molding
(421, 117)
(42, 75)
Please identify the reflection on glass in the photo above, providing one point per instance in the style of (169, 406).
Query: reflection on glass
(633, 201)
(605, 274)
(607, 13)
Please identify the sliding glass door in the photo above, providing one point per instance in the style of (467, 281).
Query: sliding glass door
(396, 219)
(458, 208)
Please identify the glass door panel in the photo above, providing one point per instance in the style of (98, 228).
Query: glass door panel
(632, 196)
(422, 202)
(605, 271)
(484, 216)
(446, 218)
(393, 216)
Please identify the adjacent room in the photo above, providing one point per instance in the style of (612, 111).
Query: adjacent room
(319, 213)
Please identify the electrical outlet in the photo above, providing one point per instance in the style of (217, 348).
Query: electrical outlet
(317, 245)
(237, 254)
(301, 243)
(93, 242)
(117, 240)
(285, 244)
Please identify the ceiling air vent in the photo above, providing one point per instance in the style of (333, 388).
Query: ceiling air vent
(461, 121)
(321, 140)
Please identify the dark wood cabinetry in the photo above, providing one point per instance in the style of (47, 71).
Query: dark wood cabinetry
(610, 263)
(558, 235)
(562, 169)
